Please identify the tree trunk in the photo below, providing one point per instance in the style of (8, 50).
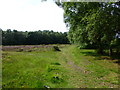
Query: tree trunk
(110, 51)
(100, 51)
(117, 51)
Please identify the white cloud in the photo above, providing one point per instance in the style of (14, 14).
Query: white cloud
(31, 15)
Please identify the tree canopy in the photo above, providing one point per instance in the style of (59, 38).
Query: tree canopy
(15, 37)
(93, 24)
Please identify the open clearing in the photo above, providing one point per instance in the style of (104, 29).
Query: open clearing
(69, 68)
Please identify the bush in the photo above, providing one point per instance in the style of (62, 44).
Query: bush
(56, 63)
(56, 48)
(20, 50)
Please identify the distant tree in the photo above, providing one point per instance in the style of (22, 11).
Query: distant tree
(33, 38)
(0, 36)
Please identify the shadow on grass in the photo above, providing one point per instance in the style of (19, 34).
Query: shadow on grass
(104, 56)
(117, 62)
(90, 53)
(116, 56)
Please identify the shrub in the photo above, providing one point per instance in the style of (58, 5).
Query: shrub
(56, 48)
(20, 50)
(56, 63)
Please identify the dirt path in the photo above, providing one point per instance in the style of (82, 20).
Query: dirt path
(77, 73)
(72, 65)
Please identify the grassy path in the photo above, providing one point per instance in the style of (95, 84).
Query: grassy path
(70, 68)
(89, 72)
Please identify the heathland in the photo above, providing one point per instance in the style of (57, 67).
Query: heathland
(44, 66)
(91, 61)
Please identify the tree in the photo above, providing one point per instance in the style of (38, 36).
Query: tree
(92, 24)
(15, 37)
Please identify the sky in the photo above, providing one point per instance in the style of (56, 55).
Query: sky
(31, 15)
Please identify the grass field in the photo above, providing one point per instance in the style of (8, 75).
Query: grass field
(69, 68)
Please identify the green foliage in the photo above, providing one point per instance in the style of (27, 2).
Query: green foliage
(33, 38)
(92, 23)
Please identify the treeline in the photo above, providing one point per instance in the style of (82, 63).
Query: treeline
(15, 37)
(93, 24)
